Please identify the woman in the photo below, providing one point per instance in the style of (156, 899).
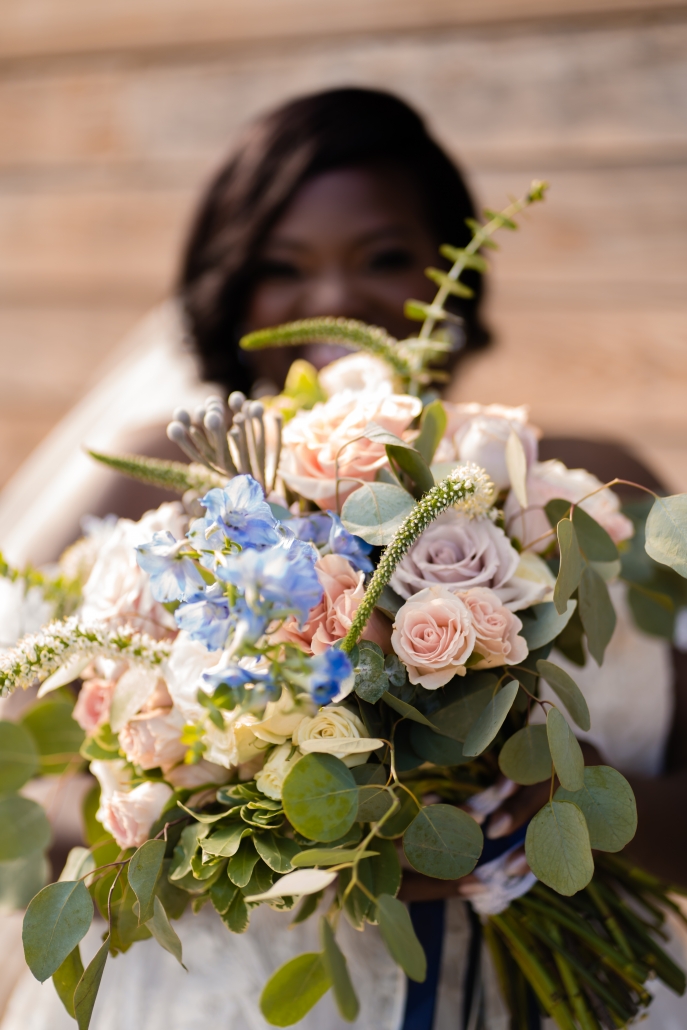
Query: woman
(331, 205)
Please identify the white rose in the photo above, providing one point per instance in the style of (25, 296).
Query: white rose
(129, 816)
(532, 583)
(235, 744)
(336, 731)
(358, 371)
(282, 718)
(182, 672)
(153, 739)
(271, 777)
(479, 433)
(552, 479)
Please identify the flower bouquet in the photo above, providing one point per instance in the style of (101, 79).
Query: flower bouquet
(335, 657)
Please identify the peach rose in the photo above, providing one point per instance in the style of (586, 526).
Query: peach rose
(128, 816)
(92, 707)
(434, 636)
(330, 620)
(313, 441)
(153, 739)
(496, 629)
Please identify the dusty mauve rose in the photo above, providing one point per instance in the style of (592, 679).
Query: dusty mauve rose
(550, 479)
(129, 816)
(434, 636)
(479, 433)
(314, 439)
(153, 739)
(92, 707)
(496, 629)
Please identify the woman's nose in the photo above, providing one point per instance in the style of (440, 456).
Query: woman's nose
(330, 293)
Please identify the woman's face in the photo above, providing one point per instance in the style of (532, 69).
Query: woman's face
(354, 242)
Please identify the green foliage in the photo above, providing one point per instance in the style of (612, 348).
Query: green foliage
(490, 720)
(594, 541)
(294, 989)
(336, 969)
(242, 863)
(375, 511)
(278, 852)
(21, 879)
(566, 753)
(405, 459)
(443, 841)
(405, 710)
(18, 756)
(163, 932)
(79, 862)
(608, 804)
(525, 757)
(400, 939)
(57, 736)
(435, 747)
(666, 532)
(55, 921)
(597, 613)
(567, 690)
(224, 842)
(320, 797)
(169, 475)
(143, 872)
(558, 849)
(236, 916)
(571, 565)
(399, 822)
(457, 718)
(371, 680)
(66, 978)
(302, 386)
(24, 827)
(542, 623)
(87, 988)
(433, 422)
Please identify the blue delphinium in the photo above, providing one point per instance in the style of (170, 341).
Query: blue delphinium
(173, 576)
(277, 581)
(237, 675)
(315, 527)
(325, 530)
(237, 513)
(206, 617)
(328, 673)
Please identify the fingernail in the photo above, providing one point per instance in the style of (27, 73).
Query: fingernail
(500, 826)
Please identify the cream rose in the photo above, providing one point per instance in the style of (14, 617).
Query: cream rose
(434, 636)
(479, 433)
(357, 371)
(129, 816)
(235, 744)
(496, 629)
(336, 731)
(153, 739)
(271, 777)
(551, 479)
(282, 718)
(313, 441)
(92, 708)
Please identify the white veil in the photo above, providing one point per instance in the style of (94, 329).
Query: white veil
(148, 376)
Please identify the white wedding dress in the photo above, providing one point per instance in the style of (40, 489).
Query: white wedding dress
(630, 700)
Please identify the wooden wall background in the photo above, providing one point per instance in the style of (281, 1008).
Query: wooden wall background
(112, 116)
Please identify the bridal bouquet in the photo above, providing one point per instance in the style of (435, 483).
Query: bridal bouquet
(334, 659)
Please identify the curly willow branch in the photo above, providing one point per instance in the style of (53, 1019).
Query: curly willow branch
(468, 488)
(347, 331)
(39, 655)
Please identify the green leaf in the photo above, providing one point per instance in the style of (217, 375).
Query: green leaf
(225, 841)
(454, 286)
(566, 753)
(435, 747)
(328, 856)
(558, 849)
(303, 384)
(55, 921)
(294, 989)
(336, 969)
(277, 852)
(261, 880)
(454, 254)
(241, 865)
(236, 917)
(374, 800)
(21, 879)
(66, 978)
(79, 862)
(308, 905)
(653, 612)
(399, 822)
(443, 841)
(375, 511)
(87, 988)
(541, 623)
(406, 710)
(556, 510)
(170, 475)
(458, 717)
(144, 872)
(320, 797)
(491, 720)
(393, 666)
(390, 602)
(567, 690)
(56, 735)
(400, 939)
(572, 564)
(24, 827)
(174, 899)
(18, 756)
(597, 613)
(594, 541)
(185, 849)
(433, 424)
(666, 532)
(525, 758)
(222, 893)
(413, 464)
(371, 679)
(609, 807)
(163, 933)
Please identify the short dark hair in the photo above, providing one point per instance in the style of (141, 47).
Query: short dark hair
(276, 155)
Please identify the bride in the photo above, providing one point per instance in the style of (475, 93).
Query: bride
(333, 204)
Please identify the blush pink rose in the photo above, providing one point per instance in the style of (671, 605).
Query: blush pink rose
(434, 636)
(153, 739)
(92, 708)
(129, 815)
(313, 441)
(479, 433)
(330, 620)
(496, 629)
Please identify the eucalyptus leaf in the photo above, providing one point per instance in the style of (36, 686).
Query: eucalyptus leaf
(374, 801)
(608, 805)
(337, 970)
(66, 978)
(406, 710)
(435, 747)
(541, 623)
(371, 680)
(18, 756)
(456, 719)
(653, 612)
(400, 938)
(433, 424)
(56, 735)
(556, 510)
(294, 989)
(24, 827)
(597, 613)
(666, 532)
(491, 720)
(525, 758)
(320, 797)
(375, 511)
(571, 565)
(163, 932)
(395, 669)
(568, 691)
(21, 879)
(608, 570)
(143, 873)
(566, 753)
(373, 431)
(414, 466)
(79, 862)
(399, 822)
(87, 988)
(557, 847)
(594, 541)
(55, 921)
(389, 602)
(443, 841)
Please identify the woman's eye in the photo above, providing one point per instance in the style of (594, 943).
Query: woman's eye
(392, 259)
(278, 270)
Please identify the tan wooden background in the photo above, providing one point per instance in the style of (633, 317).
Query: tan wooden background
(113, 114)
